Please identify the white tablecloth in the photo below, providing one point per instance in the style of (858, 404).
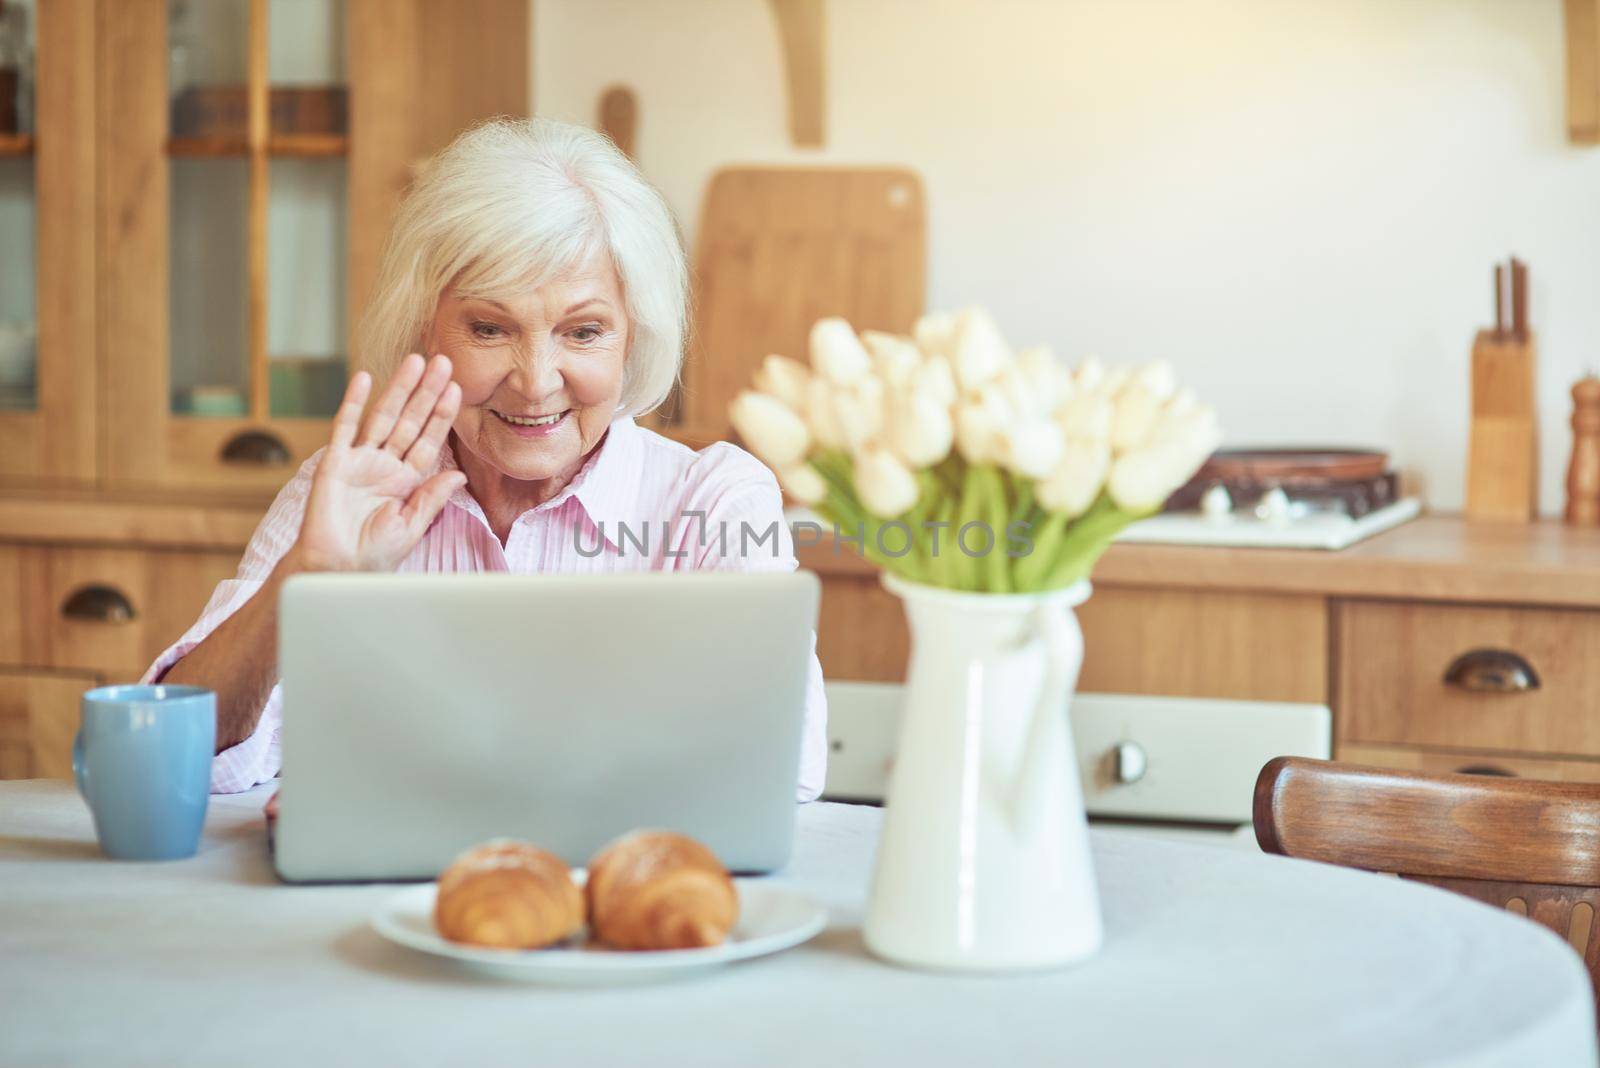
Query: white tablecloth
(1213, 957)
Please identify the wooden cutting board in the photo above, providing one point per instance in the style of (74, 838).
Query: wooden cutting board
(780, 248)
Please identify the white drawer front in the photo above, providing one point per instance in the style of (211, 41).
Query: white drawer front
(863, 730)
(1185, 758)
(1195, 759)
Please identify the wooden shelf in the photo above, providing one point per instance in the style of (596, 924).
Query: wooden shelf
(279, 146)
(308, 145)
(16, 144)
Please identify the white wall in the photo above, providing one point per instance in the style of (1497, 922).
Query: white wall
(1297, 201)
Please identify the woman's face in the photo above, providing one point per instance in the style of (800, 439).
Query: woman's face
(541, 376)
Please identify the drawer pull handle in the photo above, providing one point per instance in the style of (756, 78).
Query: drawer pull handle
(256, 448)
(99, 604)
(1485, 769)
(1491, 671)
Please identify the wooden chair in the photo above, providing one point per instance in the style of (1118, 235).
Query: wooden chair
(1530, 847)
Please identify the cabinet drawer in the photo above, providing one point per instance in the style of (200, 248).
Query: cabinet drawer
(12, 611)
(1457, 677)
(1465, 761)
(112, 611)
(38, 718)
(1205, 643)
(861, 631)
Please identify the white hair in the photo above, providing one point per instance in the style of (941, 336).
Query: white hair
(508, 205)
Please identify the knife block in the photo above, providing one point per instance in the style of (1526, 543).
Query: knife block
(1503, 459)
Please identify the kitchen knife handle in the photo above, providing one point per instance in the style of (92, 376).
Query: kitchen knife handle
(1499, 300)
(1519, 298)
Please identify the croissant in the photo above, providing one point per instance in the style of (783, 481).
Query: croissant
(658, 890)
(508, 895)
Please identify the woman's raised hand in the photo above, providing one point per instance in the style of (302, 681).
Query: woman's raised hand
(373, 495)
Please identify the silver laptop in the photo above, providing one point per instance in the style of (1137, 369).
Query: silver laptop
(423, 714)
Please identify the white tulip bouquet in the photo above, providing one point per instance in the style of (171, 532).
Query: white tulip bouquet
(952, 461)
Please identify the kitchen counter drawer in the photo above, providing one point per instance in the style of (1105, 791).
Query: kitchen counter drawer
(1205, 643)
(112, 611)
(11, 605)
(38, 718)
(1525, 680)
(1464, 761)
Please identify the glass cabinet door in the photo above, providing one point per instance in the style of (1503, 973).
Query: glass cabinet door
(229, 239)
(19, 326)
(256, 298)
(209, 182)
(307, 332)
(225, 280)
(48, 387)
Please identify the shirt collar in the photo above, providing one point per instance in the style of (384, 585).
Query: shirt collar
(606, 486)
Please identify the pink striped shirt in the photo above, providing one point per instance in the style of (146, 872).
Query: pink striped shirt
(635, 480)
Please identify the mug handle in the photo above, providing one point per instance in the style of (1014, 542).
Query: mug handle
(80, 769)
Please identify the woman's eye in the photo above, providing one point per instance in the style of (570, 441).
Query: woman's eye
(586, 334)
(487, 330)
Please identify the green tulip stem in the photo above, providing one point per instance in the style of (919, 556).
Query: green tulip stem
(996, 512)
(918, 564)
(1021, 507)
(1032, 569)
(942, 571)
(970, 508)
(1024, 498)
(955, 494)
(1090, 535)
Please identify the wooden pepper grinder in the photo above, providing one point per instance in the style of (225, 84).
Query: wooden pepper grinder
(1583, 470)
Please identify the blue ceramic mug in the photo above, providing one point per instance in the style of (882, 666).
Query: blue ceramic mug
(143, 763)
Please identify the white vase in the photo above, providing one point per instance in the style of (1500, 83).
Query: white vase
(984, 861)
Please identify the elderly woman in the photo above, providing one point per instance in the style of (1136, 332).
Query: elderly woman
(547, 278)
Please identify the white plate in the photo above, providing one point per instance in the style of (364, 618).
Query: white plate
(771, 919)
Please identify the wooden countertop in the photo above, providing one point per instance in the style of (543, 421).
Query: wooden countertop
(1435, 557)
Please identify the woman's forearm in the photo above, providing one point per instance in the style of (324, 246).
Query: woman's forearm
(239, 660)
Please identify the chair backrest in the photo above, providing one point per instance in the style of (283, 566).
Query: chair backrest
(1530, 847)
(778, 249)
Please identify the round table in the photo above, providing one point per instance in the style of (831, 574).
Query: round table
(1213, 956)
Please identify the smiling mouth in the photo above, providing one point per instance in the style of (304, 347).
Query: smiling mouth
(529, 420)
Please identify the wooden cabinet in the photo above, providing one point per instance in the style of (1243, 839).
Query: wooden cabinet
(136, 460)
(13, 610)
(861, 628)
(1509, 612)
(186, 241)
(1523, 680)
(1458, 761)
(1192, 643)
(48, 388)
(112, 611)
(1176, 642)
(179, 315)
(38, 719)
(80, 616)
